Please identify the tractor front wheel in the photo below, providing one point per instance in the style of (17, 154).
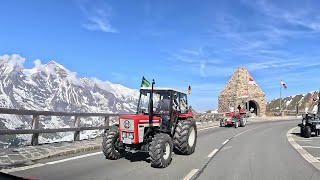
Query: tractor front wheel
(160, 150)
(111, 144)
(185, 137)
(221, 123)
(236, 124)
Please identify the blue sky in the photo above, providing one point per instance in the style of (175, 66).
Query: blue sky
(177, 43)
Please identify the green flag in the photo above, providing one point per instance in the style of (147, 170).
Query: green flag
(144, 82)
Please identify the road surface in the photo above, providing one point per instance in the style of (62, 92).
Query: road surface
(257, 151)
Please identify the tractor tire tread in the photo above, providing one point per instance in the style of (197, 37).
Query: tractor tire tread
(156, 153)
(108, 146)
(181, 137)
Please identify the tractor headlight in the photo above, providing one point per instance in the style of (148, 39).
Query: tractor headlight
(124, 134)
(130, 135)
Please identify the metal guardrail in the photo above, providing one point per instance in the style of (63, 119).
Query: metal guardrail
(35, 130)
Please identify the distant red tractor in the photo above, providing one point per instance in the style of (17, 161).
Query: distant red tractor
(234, 119)
(163, 124)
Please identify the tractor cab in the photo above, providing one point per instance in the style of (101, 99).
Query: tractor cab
(165, 101)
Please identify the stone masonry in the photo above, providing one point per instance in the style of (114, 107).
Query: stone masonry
(239, 91)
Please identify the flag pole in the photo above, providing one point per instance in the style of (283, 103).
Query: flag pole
(247, 100)
(280, 96)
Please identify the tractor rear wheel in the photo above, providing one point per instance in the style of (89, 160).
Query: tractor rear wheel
(302, 131)
(111, 144)
(185, 137)
(160, 150)
(307, 132)
(243, 122)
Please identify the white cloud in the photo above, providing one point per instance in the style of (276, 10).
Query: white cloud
(279, 63)
(98, 16)
(38, 65)
(202, 73)
(300, 14)
(72, 78)
(14, 59)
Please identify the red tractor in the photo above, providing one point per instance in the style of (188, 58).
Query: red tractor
(162, 124)
(234, 119)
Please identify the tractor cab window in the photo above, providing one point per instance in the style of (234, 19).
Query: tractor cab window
(161, 102)
(143, 102)
(183, 103)
(176, 106)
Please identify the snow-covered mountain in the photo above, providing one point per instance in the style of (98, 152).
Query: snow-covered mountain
(304, 102)
(54, 88)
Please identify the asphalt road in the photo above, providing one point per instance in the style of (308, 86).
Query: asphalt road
(259, 151)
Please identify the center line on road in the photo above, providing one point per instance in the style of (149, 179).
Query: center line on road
(213, 153)
(225, 142)
(192, 173)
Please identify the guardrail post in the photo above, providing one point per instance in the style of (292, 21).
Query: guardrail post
(35, 125)
(106, 121)
(76, 124)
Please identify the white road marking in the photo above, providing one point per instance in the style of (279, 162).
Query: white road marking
(192, 173)
(225, 142)
(213, 153)
(21, 168)
(73, 158)
(242, 132)
(207, 128)
(316, 147)
(306, 140)
(290, 139)
(48, 163)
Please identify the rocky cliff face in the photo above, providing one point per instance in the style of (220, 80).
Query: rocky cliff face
(52, 87)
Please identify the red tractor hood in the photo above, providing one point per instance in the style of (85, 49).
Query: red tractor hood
(139, 117)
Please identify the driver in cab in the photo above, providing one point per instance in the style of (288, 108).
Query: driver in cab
(164, 103)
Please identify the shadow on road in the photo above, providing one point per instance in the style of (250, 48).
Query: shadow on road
(138, 156)
(298, 135)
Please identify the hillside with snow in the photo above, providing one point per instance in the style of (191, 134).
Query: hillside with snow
(304, 102)
(52, 87)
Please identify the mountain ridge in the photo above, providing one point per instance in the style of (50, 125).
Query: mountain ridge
(304, 102)
(52, 87)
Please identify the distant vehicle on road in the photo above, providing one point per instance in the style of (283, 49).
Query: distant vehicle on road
(234, 119)
(157, 130)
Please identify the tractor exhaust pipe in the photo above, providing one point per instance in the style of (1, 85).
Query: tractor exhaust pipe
(151, 105)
